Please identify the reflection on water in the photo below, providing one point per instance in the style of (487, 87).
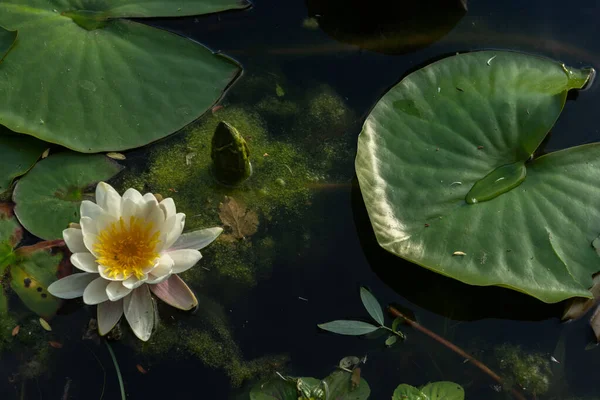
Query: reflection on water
(299, 106)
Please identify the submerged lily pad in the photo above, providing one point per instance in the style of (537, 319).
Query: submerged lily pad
(48, 198)
(18, 153)
(108, 83)
(445, 168)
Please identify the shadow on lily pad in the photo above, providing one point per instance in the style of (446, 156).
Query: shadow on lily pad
(387, 26)
(440, 294)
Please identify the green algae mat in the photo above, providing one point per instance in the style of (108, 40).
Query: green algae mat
(447, 170)
(96, 81)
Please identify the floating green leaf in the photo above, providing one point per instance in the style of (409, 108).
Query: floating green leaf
(274, 389)
(30, 279)
(7, 39)
(391, 340)
(108, 83)
(48, 198)
(443, 391)
(18, 153)
(441, 133)
(341, 387)
(372, 305)
(345, 327)
(407, 392)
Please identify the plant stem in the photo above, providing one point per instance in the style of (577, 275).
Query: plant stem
(114, 359)
(397, 333)
(392, 310)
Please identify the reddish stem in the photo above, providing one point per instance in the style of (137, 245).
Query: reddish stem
(48, 244)
(456, 349)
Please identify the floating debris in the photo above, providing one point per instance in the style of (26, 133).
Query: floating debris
(15, 330)
(459, 253)
(141, 369)
(56, 345)
(489, 62)
(116, 156)
(45, 325)
(46, 153)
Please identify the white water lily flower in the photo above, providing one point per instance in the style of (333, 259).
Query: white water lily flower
(128, 247)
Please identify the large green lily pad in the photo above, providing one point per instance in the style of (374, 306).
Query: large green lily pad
(433, 391)
(7, 39)
(18, 153)
(108, 83)
(445, 168)
(48, 198)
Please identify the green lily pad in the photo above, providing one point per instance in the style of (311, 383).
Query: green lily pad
(7, 39)
(341, 387)
(407, 392)
(18, 153)
(47, 199)
(445, 168)
(30, 278)
(443, 391)
(274, 389)
(109, 83)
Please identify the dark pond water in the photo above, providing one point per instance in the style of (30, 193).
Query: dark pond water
(318, 279)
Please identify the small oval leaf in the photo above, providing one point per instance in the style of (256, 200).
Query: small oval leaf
(372, 305)
(345, 327)
(391, 340)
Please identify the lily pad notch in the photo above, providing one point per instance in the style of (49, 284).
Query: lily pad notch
(445, 167)
(181, 78)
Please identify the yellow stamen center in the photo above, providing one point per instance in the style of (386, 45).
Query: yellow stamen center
(127, 248)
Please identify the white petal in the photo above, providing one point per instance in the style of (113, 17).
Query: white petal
(85, 262)
(116, 290)
(109, 314)
(90, 240)
(132, 282)
(157, 218)
(74, 240)
(90, 209)
(139, 312)
(95, 292)
(133, 195)
(174, 230)
(184, 259)
(102, 272)
(71, 286)
(108, 199)
(196, 240)
(153, 280)
(149, 203)
(128, 209)
(168, 206)
(175, 293)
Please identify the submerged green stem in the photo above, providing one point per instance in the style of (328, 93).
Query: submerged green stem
(114, 359)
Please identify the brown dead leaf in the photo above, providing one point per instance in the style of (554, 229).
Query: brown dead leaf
(15, 330)
(141, 369)
(579, 306)
(56, 345)
(242, 221)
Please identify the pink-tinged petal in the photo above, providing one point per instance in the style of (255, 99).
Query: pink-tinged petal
(184, 259)
(85, 262)
(168, 207)
(109, 314)
(196, 240)
(133, 283)
(174, 227)
(139, 312)
(134, 196)
(74, 240)
(71, 286)
(95, 292)
(108, 199)
(175, 293)
(116, 291)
